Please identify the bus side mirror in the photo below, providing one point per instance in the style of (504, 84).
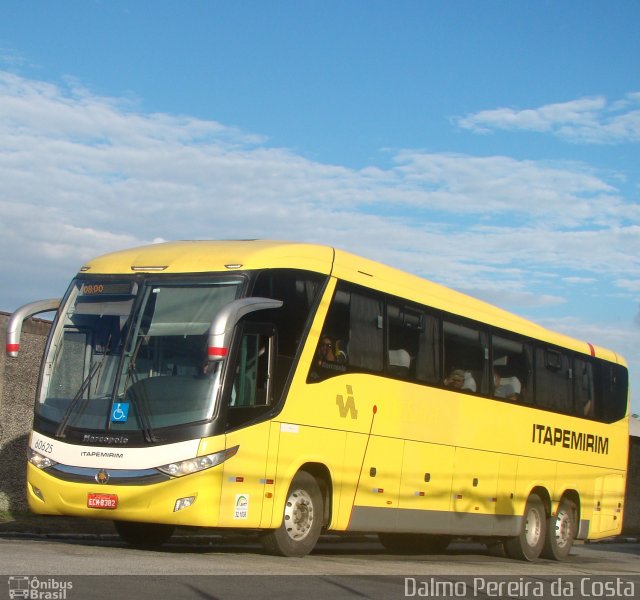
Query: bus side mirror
(14, 326)
(225, 321)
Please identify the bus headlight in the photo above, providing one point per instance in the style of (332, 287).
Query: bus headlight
(39, 460)
(200, 463)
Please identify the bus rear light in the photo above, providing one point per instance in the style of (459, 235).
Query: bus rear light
(12, 350)
(200, 463)
(183, 503)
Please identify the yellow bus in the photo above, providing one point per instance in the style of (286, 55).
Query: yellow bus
(292, 389)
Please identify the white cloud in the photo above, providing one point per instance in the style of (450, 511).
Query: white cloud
(586, 120)
(556, 194)
(81, 175)
(579, 280)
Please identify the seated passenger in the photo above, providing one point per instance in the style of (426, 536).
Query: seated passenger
(461, 380)
(330, 355)
(399, 362)
(340, 351)
(325, 351)
(506, 387)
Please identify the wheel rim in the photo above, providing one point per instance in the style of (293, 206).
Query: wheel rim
(563, 529)
(298, 514)
(533, 527)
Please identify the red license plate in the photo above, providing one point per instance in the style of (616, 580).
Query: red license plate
(109, 501)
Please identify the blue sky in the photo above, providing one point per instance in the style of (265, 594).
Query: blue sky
(490, 146)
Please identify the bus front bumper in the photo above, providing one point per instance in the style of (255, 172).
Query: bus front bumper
(190, 500)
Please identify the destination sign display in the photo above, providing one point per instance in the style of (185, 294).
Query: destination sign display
(106, 288)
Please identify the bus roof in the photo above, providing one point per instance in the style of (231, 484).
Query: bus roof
(204, 256)
(230, 255)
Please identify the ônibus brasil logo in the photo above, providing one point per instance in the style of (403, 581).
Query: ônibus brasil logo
(36, 588)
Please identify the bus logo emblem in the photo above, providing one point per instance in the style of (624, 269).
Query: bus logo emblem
(348, 407)
(102, 476)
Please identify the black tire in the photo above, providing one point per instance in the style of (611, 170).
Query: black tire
(414, 543)
(529, 543)
(301, 520)
(561, 531)
(496, 549)
(144, 535)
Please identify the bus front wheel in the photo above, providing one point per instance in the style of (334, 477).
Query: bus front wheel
(143, 535)
(301, 519)
(529, 543)
(561, 531)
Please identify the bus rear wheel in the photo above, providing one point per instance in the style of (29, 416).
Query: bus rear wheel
(561, 531)
(414, 543)
(529, 543)
(144, 535)
(301, 519)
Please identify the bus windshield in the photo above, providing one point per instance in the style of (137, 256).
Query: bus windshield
(130, 356)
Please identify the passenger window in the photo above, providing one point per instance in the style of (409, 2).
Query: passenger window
(413, 344)
(553, 380)
(465, 357)
(611, 383)
(404, 328)
(512, 362)
(365, 332)
(428, 358)
(583, 388)
(353, 333)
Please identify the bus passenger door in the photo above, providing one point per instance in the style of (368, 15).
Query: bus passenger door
(245, 480)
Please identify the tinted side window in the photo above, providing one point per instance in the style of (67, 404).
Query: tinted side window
(512, 368)
(353, 335)
(611, 383)
(299, 291)
(583, 387)
(365, 332)
(553, 380)
(465, 356)
(413, 344)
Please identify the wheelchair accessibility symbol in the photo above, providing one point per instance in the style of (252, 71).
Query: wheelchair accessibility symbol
(120, 412)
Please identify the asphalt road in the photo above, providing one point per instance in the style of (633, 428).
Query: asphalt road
(77, 567)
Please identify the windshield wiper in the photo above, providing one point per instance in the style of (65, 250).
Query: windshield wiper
(95, 369)
(142, 409)
(140, 404)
